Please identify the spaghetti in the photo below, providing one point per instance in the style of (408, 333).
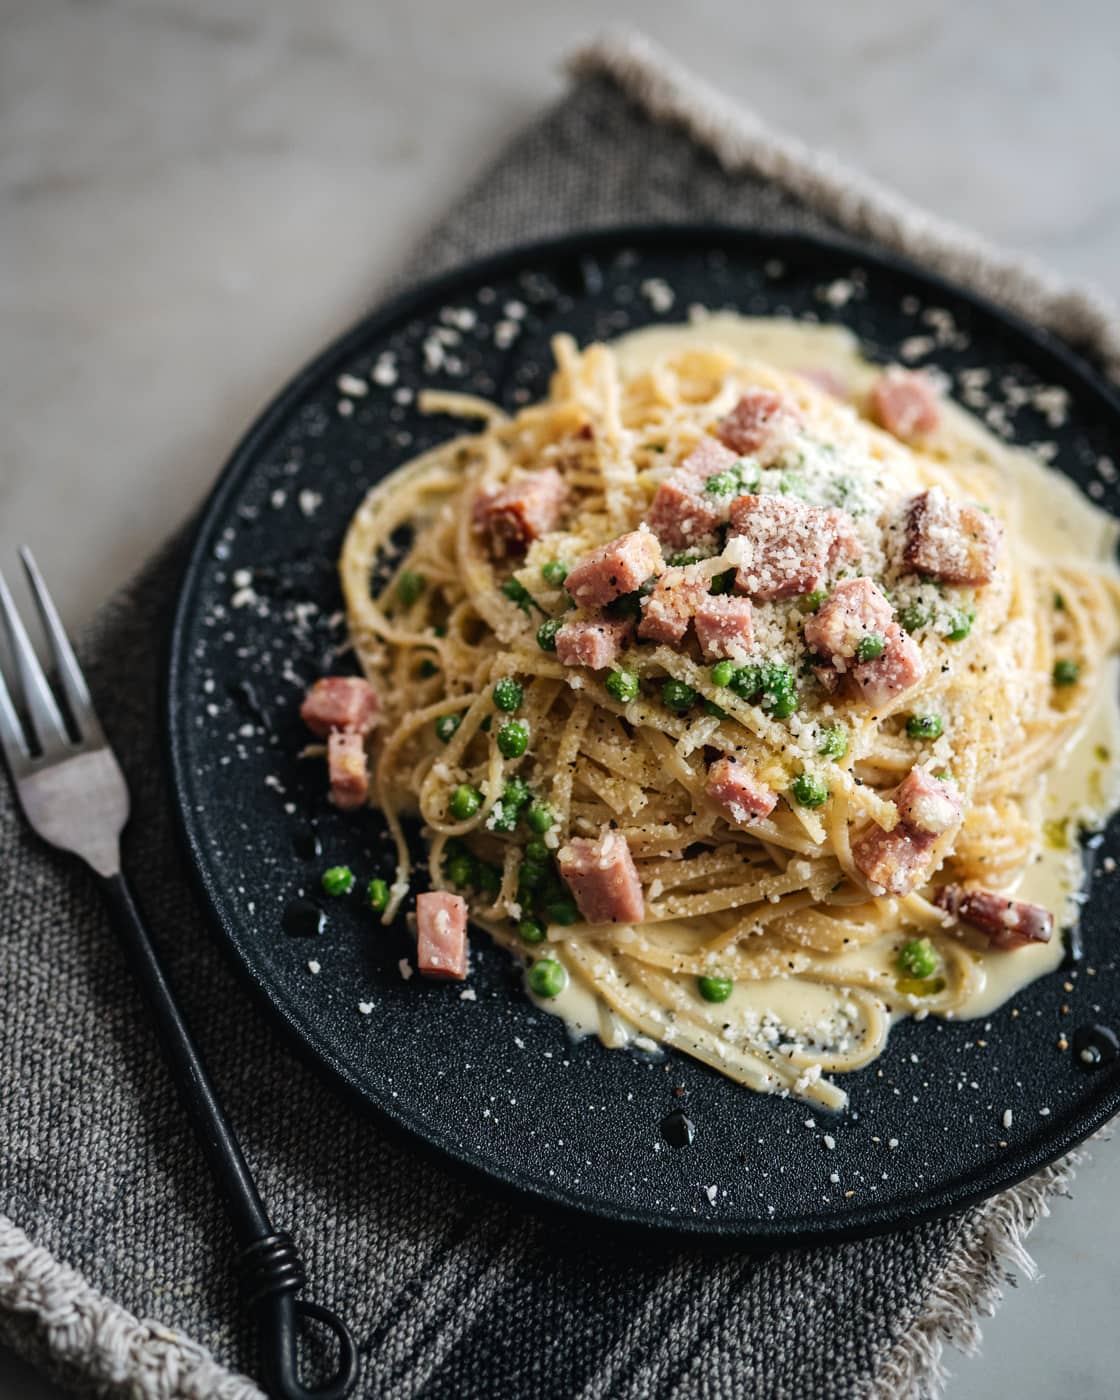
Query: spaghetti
(770, 946)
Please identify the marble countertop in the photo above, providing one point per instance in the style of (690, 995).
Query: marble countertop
(196, 194)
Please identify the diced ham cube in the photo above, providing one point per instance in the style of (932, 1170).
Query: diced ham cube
(724, 627)
(521, 511)
(682, 511)
(897, 860)
(614, 569)
(856, 609)
(905, 403)
(738, 792)
(603, 878)
(348, 769)
(1008, 923)
(894, 860)
(784, 547)
(594, 642)
(441, 934)
(760, 423)
(825, 380)
(668, 610)
(926, 804)
(954, 542)
(844, 543)
(340, 702)
(898, 668)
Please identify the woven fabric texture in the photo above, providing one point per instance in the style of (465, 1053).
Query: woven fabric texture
(106, 1215)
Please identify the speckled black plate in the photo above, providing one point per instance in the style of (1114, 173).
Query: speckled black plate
(951, 1113)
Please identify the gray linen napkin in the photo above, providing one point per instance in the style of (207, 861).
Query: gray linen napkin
(107, 1216)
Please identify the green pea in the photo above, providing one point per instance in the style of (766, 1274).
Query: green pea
(531, 931)
(832, 742)
(530, 877)
(516, 793)
(791, 484)
(871, 647)
(410, 585)
(723, 583)
(460, 870)
(513, 738)
(809, 790)
(508, 694)
(540, 818)
(622, 686)
(554, 572)
(548, 978)
(722, 672)
(812, 601)
(715, 988)
(537, 851)
(924, 726)
(489, 879)
(677, 696)
(914, 616)
(711, 708)
(546, 634)
(918, 958)
(427, 669)
(1066, 672)
(683, 557)
(747, 682)
(446, 726)
(561, 910)
(507, 809)
(517, 593)
(960, 624)
(722, 484)
(339, 879)
(465, 802)
(377, 892)
(779, 692)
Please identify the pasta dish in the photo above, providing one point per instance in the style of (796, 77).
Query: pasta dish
(750, 693)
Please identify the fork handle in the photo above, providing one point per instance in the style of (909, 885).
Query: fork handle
(268, 1263)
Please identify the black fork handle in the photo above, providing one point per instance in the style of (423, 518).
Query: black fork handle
(269, 1266)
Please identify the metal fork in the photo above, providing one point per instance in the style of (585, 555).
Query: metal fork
(74, 794)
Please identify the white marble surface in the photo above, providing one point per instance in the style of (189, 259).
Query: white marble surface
(194, 194)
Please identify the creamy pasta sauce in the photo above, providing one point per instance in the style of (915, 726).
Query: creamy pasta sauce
(1083, 787)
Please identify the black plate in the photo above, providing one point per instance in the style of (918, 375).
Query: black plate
(490, 1081)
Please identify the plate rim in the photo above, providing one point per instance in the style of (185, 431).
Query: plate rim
(1002, 1173)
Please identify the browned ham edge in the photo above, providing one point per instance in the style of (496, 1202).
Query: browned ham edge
(1006, 923)
(348, 769)
(668, 610)
(897, 860)
(948, 540)
(521, 511)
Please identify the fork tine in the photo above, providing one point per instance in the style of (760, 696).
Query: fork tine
(69, 672)
(46, 722)
(11, 733)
